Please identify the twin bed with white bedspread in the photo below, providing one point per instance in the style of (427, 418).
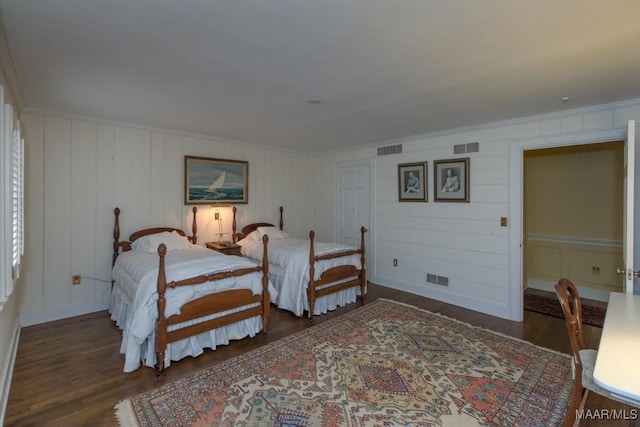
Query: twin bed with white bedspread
(309, 276)
(289, 272)
(182, 298)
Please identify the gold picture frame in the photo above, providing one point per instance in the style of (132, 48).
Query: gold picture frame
(210, 181)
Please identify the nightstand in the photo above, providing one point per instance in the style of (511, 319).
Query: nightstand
(225, 248)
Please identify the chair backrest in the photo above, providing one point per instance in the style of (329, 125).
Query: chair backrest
(572, 309)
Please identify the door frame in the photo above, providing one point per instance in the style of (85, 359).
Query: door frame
(628, 233)
(370, 247)
(516, 199)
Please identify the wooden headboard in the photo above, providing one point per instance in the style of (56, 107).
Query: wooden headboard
(247, 229)
(126, 245)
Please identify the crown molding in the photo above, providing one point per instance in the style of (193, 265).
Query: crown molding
(8, 69)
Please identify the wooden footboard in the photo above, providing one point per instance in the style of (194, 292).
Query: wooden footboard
(208, 305)
(344, 276)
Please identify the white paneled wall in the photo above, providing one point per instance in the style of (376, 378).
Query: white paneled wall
(78, 171)
(462, 241)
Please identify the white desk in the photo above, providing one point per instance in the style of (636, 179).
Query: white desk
(617, 365)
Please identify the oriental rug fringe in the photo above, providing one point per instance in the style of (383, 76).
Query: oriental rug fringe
(385, 363)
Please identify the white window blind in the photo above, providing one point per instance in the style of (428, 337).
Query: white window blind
(12, 158)
(17, 199)
(6, 279)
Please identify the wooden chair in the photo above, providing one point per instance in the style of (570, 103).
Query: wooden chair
(584, 359)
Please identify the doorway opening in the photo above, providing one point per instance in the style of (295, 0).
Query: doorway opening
(573, 203)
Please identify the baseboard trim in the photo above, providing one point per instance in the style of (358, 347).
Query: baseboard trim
(585, 292)
(7, 373)
(35, 318)
(443, 294)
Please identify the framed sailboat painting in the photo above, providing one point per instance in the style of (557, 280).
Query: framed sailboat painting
(210, 181)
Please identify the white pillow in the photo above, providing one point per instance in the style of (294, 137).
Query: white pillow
(254, 236)
(141, 244)
(273, 233)
(172, 240)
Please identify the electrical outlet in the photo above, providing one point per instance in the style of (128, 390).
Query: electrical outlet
(595, 271)
(503, 221)
(395, 262)
(216, 216)
(76, 279)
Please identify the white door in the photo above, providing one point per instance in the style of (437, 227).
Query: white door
(354, 207)
(629, 194)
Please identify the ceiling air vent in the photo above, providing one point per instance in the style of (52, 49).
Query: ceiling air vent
(390, 149)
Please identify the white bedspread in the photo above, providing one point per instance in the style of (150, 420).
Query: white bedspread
(135, 291)
(291, 257)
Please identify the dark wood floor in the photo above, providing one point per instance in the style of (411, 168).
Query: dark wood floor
(69, 372)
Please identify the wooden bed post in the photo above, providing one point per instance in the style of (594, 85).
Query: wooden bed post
(265, 284)
(311, 288)
(363, 274)
(234, 226)
(194, 226)
(116, 236)
(281, 220)
(161, 322)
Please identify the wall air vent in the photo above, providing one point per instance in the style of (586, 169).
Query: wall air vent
(390, 149)
(472, 147)
(444, 281)
(459, 149)
(438, 280)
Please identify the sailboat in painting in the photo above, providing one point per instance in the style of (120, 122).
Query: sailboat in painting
(217, 184)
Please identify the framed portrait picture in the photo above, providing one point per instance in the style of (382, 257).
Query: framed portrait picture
(215, 181)
(412, 182)
(451, 180)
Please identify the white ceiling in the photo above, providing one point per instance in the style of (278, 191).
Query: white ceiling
(245, 69)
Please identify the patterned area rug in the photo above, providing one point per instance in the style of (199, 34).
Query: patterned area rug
(383, 364)
(591, 315)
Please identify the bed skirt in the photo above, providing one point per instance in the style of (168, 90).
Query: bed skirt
(322, 306)
(144, 353)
